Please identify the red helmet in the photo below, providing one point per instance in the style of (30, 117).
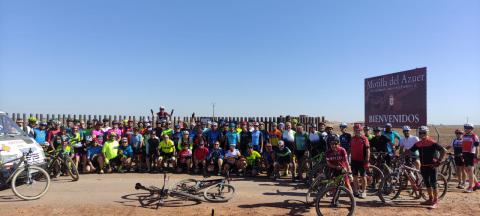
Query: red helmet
(358, 127)
(458, 131)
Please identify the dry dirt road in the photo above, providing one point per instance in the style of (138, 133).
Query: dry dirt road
(114, 194)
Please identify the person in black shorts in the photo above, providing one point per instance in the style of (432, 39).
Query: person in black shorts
(457, 144)
(428, 149)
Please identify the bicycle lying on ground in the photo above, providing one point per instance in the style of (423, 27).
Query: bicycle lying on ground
(28, 182)
(61, 163)
(214, 190)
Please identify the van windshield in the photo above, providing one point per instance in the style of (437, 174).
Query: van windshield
(9, 127)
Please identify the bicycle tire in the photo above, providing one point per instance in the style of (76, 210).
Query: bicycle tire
(446, 170)
(71, 169)
(442, 187)
(323, 194)
(41, 172)
(313, 191)
(374, 178)
(389, 187)
(183, 185)
(186, 195)
(219, 188)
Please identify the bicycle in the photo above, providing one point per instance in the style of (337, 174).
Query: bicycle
(403, 177)
(61, 163)
(24, 178)
(159, 195)
(214, 190)
(447, 167)
(334, 198)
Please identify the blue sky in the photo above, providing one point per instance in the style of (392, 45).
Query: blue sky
(262, 58)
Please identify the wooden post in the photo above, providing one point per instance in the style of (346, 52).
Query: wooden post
(24, 122)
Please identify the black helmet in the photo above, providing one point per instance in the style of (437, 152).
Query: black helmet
(377, 129)
(333, 138)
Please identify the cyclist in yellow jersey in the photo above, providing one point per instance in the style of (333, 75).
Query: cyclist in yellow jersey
(167, 152)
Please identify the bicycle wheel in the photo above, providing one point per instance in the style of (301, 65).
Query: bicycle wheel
(71, 169)
(374, 181)
(219, 192)
(442, 187)
(446, 170)
(313, 191)
(55, 168)
(31, 183)
(335, 201)
(389, 188)
(184, 185)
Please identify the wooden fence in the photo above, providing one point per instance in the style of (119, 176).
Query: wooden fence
(175, 119)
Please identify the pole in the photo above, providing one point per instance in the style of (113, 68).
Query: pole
(213, 110)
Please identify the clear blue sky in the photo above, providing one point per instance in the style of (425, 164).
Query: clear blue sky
(251, 57)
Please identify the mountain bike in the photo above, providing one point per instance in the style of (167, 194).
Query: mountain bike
(28, 182)
(61, 163)
(447, 167)
(334, 198)
(214, 190)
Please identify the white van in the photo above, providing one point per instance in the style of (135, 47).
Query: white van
(14, 142)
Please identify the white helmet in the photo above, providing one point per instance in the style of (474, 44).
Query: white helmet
(423, 129)
(406, 128)
(468, 126)
(343, 125)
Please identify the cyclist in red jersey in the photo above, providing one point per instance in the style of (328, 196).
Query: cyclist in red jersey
(360, 153)
(469, 146)
(337, 159)
(428, 150)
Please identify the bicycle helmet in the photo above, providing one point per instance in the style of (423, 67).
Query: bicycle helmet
(458, 131)
(377, 129)
(185, 133)
(406, 128)
(423, 129)
(88, 138)
(343, 125)
(32, 119)
(232, 125)
(333, 138)
(358, 127)
(388, 125)
(468, 126)
(43, 124)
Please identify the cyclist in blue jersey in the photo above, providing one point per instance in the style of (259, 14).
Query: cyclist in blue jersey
(41, 134)
(233, 138)
(391, 135)
(213, 135)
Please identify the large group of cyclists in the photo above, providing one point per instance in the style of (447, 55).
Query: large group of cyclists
(336, 169)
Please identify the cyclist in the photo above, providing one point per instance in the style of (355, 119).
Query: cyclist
(269, 159)
(379, 144)
(345, 138)
(53, 131)
(32, 124)
(283, 160)
(215, 157)
(232, 157)
(213, 135)
(162, 114)
(185, 140)
(166, 129)
(469, 146)
(391, 135)
(406, 143)
(116, 129)
(360, 154)
(253, 160)
(264, 136)
(200, 157)
(94, 157)
(110, 151)
(77, 143)
(106, 126)
(184, 159)
(137, 143)
(428, 150)
(125, 152)
(316, 143)
(232, 136)
(288, 136)
(97, 132)
(41, 134)
(337, 159)
(300, 147)
(152, 153)
(167, 152)
(275, 135)
(366, 131)
(257, 138)
(457, 145)
(245, 138)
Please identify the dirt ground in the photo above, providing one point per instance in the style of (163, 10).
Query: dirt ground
(114, 194)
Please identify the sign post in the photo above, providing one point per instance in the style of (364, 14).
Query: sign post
(397, 98)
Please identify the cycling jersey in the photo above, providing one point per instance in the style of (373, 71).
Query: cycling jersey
(40, 136)
(256, 137)
(275, 136)
(359, 146)
(184, 154)
(92, 151)
(283, 153)
(215, 154)
(213, 136)
(127, 151)
(231, 156)
(182, 142)
(245, 139)
(408, 142)
(470, 143)
(136, 141)
(288, 136)
(167, 146)
(379, 143)
(427, 149)
(337, 157)
(345, 139)
(392, 135)
(301, 141)
(201, 153)
(168, 132)
(232, 138)
(457, 145)
(153, 144)
(76, 140)
(252, 157)
(110, 149)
